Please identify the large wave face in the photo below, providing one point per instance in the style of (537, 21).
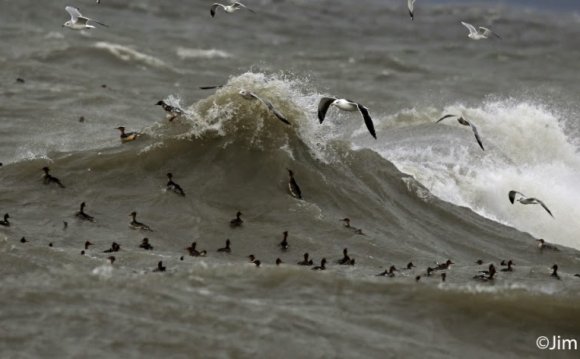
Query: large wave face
(528, 149)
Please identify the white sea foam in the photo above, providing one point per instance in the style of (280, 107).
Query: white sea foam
(527, 149)
(186, 53)
(128, 54)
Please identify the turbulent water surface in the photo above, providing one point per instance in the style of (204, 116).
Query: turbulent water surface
(422, 192)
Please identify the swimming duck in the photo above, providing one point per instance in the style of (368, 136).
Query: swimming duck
(354, 229)
(160, 267)
(82, 215)
(138, 225)
(115, 247)
(293, 186)
(306, 261)
(192, 250)
(284, 243)
(227, 248)
(545, 245)
(278, 261)
(509, 266)
(322, 265)
(127, 136)
(174, 187)
(47, 178)
(5, 222)
(87, 244)
(345, 260)
(443, 266)
(146, 245)
(555, 272)
(486, 275)
(238, 221)
(172, 111)
(388, 272)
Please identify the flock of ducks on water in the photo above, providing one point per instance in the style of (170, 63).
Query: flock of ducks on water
(294, 190)
(80, 22)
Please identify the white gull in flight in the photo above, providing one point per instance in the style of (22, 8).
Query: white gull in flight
(476, 35)
(78, 21)
(345, 105)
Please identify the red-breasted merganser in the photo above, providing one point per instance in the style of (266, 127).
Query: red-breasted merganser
(47, 178)
(227, 248)
(138, 225)
(146, 245)
(5, 222)
(322, 265)
(238, 221)
(306, 261)
(127, 136)
(293, 186)
(82, 215)
(174, 187)
(388, 272)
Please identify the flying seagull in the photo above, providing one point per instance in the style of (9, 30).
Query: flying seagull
(476, 35)
(250, 96)
(346, 105)
(78, 21)
(229, 8)
(527, 200)
(464, 122)
(410, 5)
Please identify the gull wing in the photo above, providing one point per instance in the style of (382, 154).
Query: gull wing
(476, 134)
(368, 121)
(487, 32)
(240, 5)
(444, 117)
(323, 106)
(512, 195)
(470, 28)
(213, 8)
(211, 87)
(270, 107)
(74, 13)
(545, 207)
(410, 5)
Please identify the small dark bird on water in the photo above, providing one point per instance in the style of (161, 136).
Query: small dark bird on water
(47, 178)
(160, 267)
(486, 275)
(479, 261)
(50, 244)
(322, 265)
(111, 259)
(278, 261)
(284, 244)
(443, 276)
(444, 266)
(82, 215)
(64, 225)
(354, 229)
(429, 271)
(5, 221)
(172, 111)
(417, 278)
(555, 272)
(20, 80)
(545, 245)
(257, 262)
(227, 248)
(293, 186)
(146, 245)
(23, 240)
(174, 187)
(306, 261)
(388, 272)
(238, 221)
(410, 265)
(87, 244)
(134, 224)
(345, 260)
(127, 136)
(509, 266)
(115, 247)
(194, 252)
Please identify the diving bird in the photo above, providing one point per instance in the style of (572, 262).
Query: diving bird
(229, 8)
(248, 95)
(476, 35)
(346, 105)
(78, 21)
(172, 111)
(293, 186)
(127, 136)
(464, 122)
(527, 200)
(411, 5)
